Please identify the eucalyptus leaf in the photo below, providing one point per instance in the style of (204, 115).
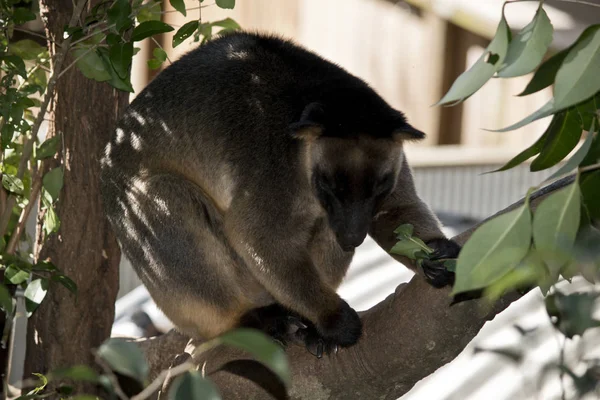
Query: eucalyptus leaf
(22, 15)
(525, 154)
(542, 112)
(563, 134)
(493, 250)
(578, 78)
(577, 158)
(530, 271)
(125, 358)
(192, 385)
(34, 294)
(555, 225)
(263, 348)
(528, 47)
(545, 74)
(590, 191)
(484, 68)
(51, 221)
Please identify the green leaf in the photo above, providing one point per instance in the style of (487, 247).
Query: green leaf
(115, 80)
(485, 67)
(121, 55)
(577, 158)
(545, 74)
(27, 49)
(12, 183)
(563, 134)
(179, 5)
(192, 385)
(15, 275)
(404, 231)
(150, 13)
(125, 358)
(6, 300)
(574, 312)
(588, 111)
(493, 250)
(90, 64)
(51, 221)
(531, 270)
(544, 111)
(406, 248)
(528, 47)
(34, 294)
(525, 154)
(590, 192)
(226, 3)
(77, 373)
(555, 225)
(450, 265)
(119, 14)
(48, 148)
(149, 28)
(578, 78)
(17, 63)
(184, 32)
(263, 348)
(22, 15)
(66, 282)
(53, 182)
(227, 24)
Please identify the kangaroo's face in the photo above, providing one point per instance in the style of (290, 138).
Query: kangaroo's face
(353, 160)
(351, 178)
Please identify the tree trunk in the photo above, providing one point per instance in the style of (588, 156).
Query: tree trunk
(65, 327)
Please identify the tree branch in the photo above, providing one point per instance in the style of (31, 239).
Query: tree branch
(407, 337)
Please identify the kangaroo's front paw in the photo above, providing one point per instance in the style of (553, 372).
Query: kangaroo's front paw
(433, 268)
(342, 327)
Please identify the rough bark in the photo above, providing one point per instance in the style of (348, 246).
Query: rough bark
(64, 329)
(407, 337)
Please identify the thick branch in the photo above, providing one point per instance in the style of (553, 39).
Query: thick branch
(408, 336)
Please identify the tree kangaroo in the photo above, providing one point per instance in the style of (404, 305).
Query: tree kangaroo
(240, 181)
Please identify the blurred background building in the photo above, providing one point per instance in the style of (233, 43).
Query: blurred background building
(410, 52)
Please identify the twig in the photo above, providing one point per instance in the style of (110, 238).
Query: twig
(111, 376)
(157, 383)
(188, 9)
(28, 145)
(77, 60)
(82, 39)
(32, 33)
(14, 239)
(160, 47)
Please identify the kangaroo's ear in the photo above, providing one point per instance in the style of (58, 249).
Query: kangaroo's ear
(407, 132)
(311, 123)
